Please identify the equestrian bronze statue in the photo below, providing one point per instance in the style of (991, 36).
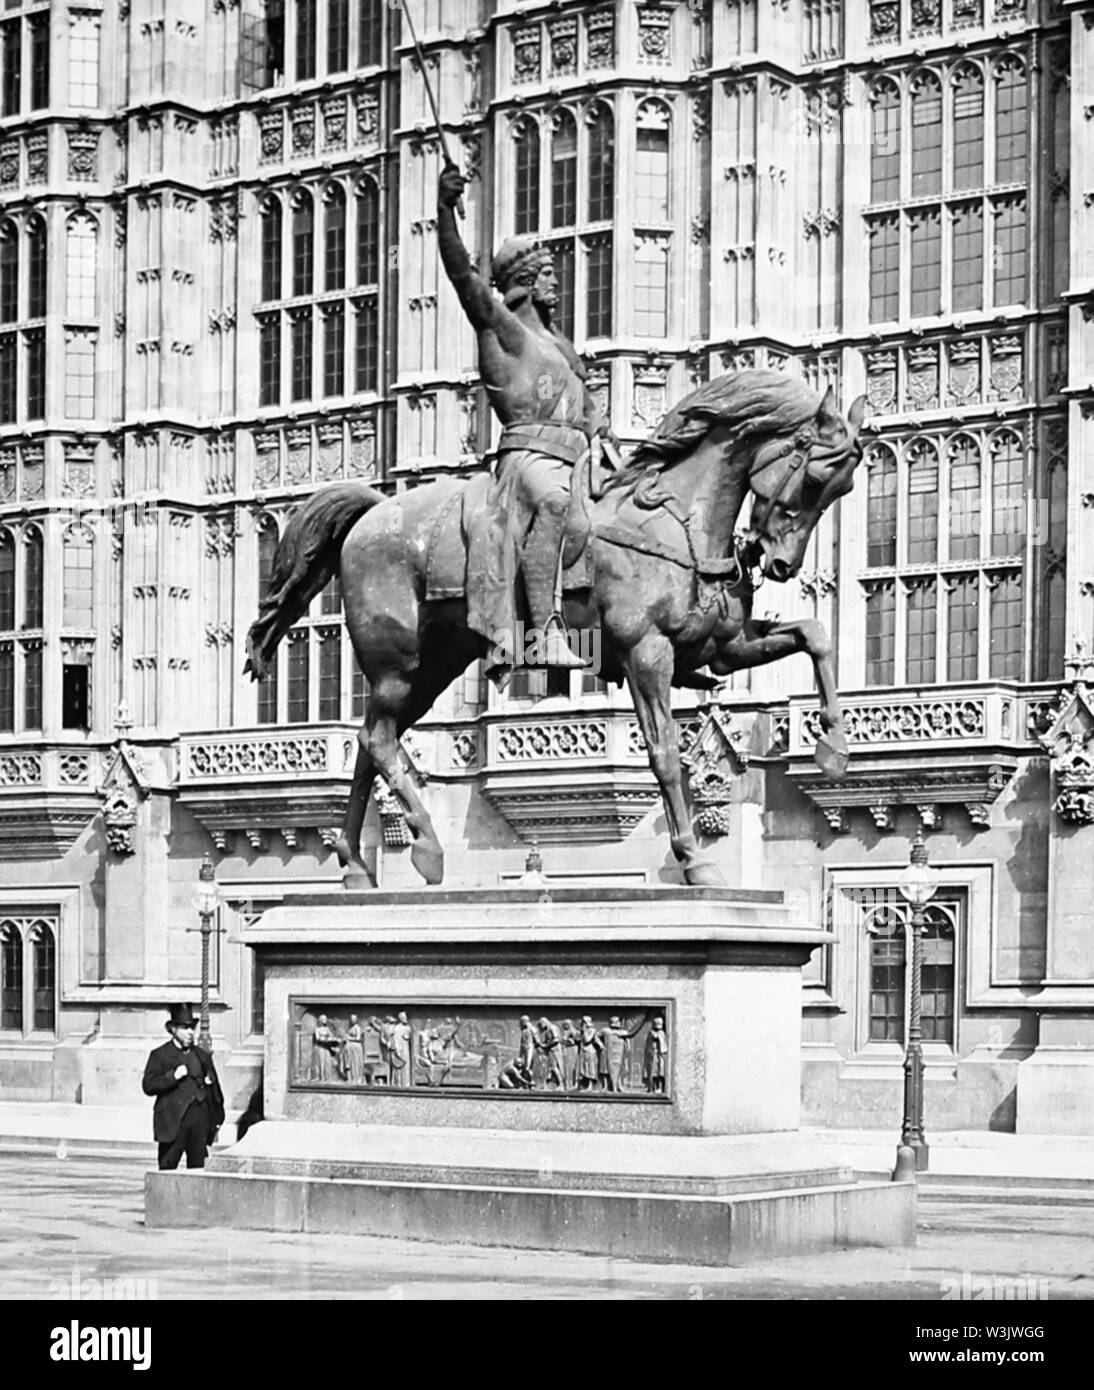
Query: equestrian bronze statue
(653, 559)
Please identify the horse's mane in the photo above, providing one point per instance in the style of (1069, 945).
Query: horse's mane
(750, 402)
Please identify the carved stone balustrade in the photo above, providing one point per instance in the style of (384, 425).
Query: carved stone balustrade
(568, 778)
(48, 794)
(919, 749)
(242, 785)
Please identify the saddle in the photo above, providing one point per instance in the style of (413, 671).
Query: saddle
(449, 538)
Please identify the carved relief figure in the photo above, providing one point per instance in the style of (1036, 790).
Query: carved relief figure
(655, 1070)
(589, 1048)
(615, 1052)
(352, 1060)
(395, 1035)
(324, 1046)
(549, 1043)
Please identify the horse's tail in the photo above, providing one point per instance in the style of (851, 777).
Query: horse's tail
(307, 556)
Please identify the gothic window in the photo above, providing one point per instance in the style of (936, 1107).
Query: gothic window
(880, 632)
(80, 375)
(334, 349)
(337, 35)
(348, 345)
(39, 61)
(9, 271)
(305, 39)
(564, 170)
(267, 553)
(28, 975)
(79, 579)
(922, 630)
(968, 256)
(598, 250)
(7, 687)
(44, 955)
(269, 359)
(21, 572)
(922, 503)
(303, 244)
(300, 354)
(370, 32)
(7, 581)
(10, 66)
(888, 930)
(1011, 121)
(1010, 251)
(334, 238)
(366, 347)
(33, 577)
(32, 685)
(1005, 625)
(1008, 493)
(368, 234)
(81, 266)
(926, 135)
(601, 165)
(968, 129)
(330, 672)
(949, 515)
(11, 978)
(930, 260)
(884, 269)
(652, 164)
(271, 222)
(527, 165)
(881, 473)
(964, 458)
(297, 676)
(963, 623)
(885, 145)
(37, 267)
(34, 341)
(9, 395)
(651, 287)
(926, 252)
(83, 61)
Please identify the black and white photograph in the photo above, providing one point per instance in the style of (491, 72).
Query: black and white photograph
(547, 664)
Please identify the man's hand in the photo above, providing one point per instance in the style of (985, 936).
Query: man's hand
(450, 186)
(181, 1070)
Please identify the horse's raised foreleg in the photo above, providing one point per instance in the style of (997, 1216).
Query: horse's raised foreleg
(649, 674)
(772, 642)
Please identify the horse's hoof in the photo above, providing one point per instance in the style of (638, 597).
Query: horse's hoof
(357, 879)
(428, 861)
(831, 755)
(704, 873)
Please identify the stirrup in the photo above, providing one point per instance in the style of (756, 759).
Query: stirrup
(558, 651)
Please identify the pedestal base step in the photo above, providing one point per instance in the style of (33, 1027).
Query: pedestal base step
(704, 1201)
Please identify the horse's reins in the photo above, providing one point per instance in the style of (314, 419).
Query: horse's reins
(731, 570)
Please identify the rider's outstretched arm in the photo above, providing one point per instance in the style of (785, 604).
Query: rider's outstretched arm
(475, 294)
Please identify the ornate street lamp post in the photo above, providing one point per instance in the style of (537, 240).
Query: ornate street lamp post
(205, 900)
(918, 885)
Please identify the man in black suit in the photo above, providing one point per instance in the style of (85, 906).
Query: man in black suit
(189, 1105)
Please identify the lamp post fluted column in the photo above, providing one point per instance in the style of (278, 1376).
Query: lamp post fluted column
(918, 885)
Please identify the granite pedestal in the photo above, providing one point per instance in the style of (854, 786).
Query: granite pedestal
(614, 1071)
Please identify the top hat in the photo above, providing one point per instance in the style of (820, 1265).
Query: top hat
(182, 1016)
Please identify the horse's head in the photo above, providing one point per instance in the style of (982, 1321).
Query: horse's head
(793, 479)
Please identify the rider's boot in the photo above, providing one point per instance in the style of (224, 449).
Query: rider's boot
(539, 564)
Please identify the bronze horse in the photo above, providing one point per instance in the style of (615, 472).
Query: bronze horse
(671, 591)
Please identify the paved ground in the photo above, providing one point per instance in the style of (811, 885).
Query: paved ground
(80, 1219)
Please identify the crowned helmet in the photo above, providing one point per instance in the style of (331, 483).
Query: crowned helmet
(519, 256)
